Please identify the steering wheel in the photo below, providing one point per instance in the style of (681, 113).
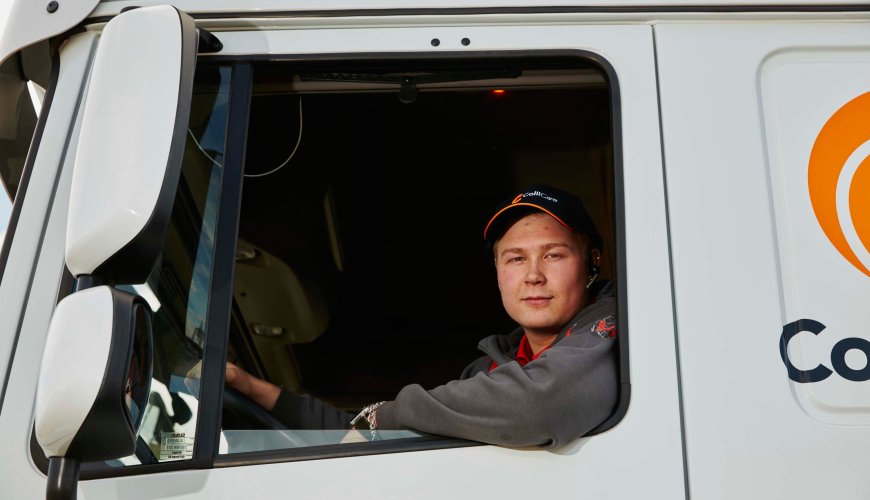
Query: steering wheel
(246, 408)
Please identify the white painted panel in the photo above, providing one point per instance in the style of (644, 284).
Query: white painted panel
(640, 457)
(824, 278)
(746, 434)
(18, 475)
(107, 7)
(23, 22)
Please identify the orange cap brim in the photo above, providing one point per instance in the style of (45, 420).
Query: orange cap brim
(503, 210)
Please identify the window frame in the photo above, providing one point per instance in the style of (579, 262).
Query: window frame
(436, 442)
(219, 310)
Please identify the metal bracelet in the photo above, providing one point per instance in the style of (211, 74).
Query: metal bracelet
(368, 414)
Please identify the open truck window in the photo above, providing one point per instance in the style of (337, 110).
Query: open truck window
(360, 265)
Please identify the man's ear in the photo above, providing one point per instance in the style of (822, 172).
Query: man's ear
(594, 266)
(595, 261)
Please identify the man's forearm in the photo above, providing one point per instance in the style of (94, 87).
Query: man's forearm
(542, 405)
(260, 391)
(264, 393)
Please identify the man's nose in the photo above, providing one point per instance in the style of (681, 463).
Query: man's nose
(534, 273)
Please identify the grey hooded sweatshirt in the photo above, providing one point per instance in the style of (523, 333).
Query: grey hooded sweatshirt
(563, 394)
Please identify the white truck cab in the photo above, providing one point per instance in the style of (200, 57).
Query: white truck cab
(302, 190)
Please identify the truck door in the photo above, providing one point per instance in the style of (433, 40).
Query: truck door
(770, 302)
(242, 227)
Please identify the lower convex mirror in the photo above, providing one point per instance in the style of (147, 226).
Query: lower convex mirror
(95, 378)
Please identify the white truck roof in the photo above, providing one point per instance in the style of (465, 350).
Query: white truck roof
(31, 21)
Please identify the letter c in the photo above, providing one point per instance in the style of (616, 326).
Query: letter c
(818, 373)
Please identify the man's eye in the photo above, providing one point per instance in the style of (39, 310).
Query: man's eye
(515, 259)
(553, 255)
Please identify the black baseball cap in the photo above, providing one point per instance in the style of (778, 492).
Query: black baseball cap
(563, 206)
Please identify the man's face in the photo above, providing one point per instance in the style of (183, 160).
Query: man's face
(541, 267)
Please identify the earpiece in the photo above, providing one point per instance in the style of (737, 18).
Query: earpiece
(594, 271)
(594, 266)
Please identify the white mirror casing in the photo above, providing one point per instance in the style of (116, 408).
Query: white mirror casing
(130, 148)
(95, 375)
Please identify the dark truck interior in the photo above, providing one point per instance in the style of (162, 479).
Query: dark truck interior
(361, 265)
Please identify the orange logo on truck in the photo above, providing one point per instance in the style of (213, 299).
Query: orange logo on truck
(839, 180)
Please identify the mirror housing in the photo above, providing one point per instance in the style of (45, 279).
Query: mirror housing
(96, 371)
(95, 376)
(131, 144)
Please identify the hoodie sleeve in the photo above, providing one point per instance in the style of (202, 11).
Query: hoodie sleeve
(566, 392)
(304, 412)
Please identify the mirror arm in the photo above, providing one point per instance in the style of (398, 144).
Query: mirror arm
(86, 281)
(63, 478)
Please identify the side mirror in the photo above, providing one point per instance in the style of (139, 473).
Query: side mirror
(94, 381)
(131, 144)
(96, 370)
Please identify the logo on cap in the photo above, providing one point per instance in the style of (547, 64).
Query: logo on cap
(839, 181)
(539, 194)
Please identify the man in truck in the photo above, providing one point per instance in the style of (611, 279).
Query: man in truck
(551, 380)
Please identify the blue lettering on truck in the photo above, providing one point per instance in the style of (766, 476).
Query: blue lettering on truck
(838, 355)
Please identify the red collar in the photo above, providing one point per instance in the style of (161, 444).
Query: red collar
(524, 353)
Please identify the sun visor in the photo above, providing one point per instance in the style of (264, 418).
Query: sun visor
(131, 144)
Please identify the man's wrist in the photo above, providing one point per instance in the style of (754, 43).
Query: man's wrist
(265, 394)
(367, 415)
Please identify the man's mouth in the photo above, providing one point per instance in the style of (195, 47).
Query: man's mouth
(537, 301)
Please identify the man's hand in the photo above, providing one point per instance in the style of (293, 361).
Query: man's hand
(260, 391)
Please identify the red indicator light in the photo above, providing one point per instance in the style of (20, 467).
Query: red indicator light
(498, 91)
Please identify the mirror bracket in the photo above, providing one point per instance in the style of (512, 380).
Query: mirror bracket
(208, 43)
(63, 478)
